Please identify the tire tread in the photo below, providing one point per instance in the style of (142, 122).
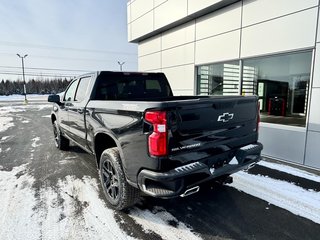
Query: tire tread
(63, 143)
(130, 194)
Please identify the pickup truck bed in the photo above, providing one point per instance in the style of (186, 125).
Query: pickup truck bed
(151, 141)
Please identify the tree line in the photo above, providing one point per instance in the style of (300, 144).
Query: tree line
(33, 86)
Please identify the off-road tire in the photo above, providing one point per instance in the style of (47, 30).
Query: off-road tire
(60, 141)
(118, 192)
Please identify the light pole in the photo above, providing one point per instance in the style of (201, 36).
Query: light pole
(120, 64)
(24, 80)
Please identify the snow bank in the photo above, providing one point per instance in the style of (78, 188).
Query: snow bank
(291, 170)
(17, 97)
(297, 200)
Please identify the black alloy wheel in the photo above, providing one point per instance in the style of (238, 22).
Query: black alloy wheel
(118, 192)
(110, 179)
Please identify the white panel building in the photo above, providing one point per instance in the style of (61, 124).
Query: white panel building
(270, 48)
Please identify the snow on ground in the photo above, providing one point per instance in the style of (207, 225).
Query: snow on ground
(62, 162)
(291, 170)
(35, 142)
(295, 199)
(71, 210)
(4, 138)
(7, 113)
(44, 106)
(67, 160)
(75, 211)
(17, 201)
(4, 110)
(158, 221)
(17, 97)
(5, 123)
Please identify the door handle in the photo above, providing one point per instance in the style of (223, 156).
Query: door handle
(80, 110)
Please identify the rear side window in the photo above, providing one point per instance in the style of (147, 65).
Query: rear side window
(82, 89)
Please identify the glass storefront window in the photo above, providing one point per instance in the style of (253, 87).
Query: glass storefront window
(280, 81)
(282, 84)
(218, 79)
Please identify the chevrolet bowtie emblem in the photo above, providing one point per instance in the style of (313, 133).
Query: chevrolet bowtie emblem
(225, 117)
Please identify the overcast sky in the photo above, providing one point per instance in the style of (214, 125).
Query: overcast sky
(64, 34)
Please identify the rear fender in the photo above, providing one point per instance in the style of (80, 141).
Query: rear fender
(104, 140)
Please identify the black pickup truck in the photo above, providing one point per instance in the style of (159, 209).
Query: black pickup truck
(144, 139)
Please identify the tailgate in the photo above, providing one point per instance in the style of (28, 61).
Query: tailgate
(212, 126)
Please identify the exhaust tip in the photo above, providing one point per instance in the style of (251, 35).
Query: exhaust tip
(190, 191)
(250, 166)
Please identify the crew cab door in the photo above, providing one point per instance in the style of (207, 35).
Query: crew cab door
(64, 108)
(77, 112)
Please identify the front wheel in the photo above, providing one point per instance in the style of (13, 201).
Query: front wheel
(60, 141)
(118, 192)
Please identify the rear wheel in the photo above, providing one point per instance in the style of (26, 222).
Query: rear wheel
(118, 192)
(60, 141)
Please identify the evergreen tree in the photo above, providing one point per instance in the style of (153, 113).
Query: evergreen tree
(38, 86)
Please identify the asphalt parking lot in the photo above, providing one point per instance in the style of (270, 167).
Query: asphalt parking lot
(50, 194)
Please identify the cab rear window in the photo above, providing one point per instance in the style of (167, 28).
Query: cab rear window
(127, 87)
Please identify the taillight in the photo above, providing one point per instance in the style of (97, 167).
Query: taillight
(157, 141)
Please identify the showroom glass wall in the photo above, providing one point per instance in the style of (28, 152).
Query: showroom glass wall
(281, 82)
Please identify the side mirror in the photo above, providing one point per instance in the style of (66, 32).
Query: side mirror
(54, 98)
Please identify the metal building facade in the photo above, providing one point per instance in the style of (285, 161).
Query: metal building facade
(265, 47)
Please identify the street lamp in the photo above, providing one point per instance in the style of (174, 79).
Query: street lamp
(120, 64)
(24, 80)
